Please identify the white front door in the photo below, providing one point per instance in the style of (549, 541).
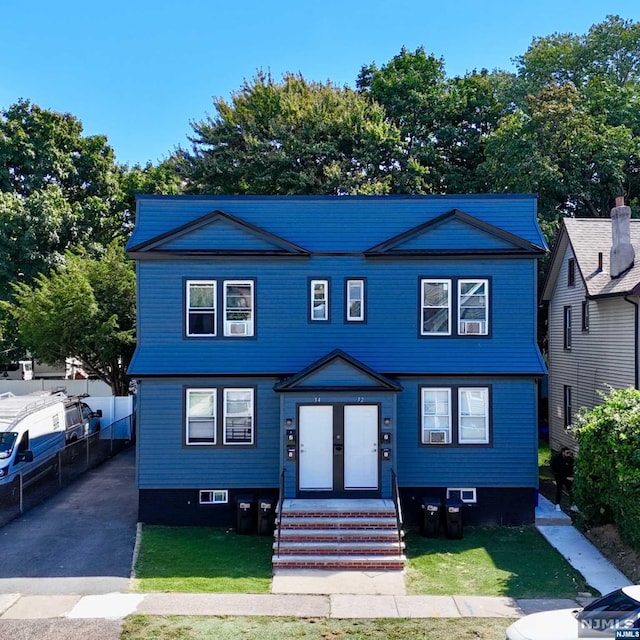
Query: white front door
(316, 448)
(360, 446)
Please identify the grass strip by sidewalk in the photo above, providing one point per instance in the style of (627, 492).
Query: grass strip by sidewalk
(490, 561)
(264, 628)
(202, 560)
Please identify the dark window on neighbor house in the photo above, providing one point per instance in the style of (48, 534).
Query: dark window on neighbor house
(568, 409)
(585, 315)
(567, 328)
(571, 272)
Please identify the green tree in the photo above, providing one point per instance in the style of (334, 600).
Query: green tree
(293, 137)
(40, 149)
(84, 308)
(443, 122)
(573, 135)
(607, 469)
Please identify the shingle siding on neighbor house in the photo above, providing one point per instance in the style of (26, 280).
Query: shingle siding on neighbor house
(605, 355)
(375, 367)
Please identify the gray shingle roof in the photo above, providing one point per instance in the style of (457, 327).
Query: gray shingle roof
(588, 237)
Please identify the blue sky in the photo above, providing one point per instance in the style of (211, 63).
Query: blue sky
(138, 71)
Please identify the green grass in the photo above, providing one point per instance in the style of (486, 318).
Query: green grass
(490, 561)
(262, 628)
(202, 559)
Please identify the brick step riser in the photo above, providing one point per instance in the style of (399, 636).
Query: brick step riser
(361, 566)
(338, 538)
(338, 552)
(347, 526)
(342, 514)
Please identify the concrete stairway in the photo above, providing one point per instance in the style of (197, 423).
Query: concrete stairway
(339, 534)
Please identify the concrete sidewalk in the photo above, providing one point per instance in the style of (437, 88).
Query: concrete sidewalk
(116, 606)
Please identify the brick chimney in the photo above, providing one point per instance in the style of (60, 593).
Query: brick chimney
(622, 253)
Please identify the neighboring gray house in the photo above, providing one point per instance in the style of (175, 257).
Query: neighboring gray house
(593, 292)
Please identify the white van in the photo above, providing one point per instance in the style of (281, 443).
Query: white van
(22, 370)
(32, 432)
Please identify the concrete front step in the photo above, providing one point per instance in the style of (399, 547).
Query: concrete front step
(339, 535)
(362, 563)
(324, 522)
(341, 548)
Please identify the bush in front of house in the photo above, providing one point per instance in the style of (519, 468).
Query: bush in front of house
(607, 468)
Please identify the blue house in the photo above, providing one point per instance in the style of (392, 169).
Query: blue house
(336, 348)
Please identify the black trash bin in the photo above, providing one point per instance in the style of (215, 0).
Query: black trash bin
(266, 515)
(430, 520)
(245, 514)
(453, 518)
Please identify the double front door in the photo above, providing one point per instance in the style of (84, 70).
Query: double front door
(338, 448)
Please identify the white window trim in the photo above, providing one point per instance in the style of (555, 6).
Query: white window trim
(349, 300)
(248, 325)
(214, 496)
(188, 307)
(312, 286)
(225, 393)
(484, 440)
(484, 324)
(212, 391)
(425, 431)
(423, 282)
(471, 496)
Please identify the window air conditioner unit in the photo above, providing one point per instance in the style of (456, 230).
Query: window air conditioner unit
(437, 437)
(238, 328)
(472, 327)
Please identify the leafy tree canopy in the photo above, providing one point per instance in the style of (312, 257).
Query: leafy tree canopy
(84, 308)
(292, 137)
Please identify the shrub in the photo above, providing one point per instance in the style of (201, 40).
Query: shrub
(607, 469)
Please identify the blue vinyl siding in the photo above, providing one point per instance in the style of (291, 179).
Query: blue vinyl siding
(164, 460)
(510, 461)
(337, 232)
(286, 342)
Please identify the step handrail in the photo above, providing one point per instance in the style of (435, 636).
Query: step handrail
(279, 521)
(398, 508)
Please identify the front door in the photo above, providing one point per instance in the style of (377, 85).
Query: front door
(316, 448)
(360, 446)
(338, 448)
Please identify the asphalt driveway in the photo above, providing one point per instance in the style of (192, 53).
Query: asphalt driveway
(78, 542)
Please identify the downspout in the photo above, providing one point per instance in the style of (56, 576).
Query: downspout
(636, 341)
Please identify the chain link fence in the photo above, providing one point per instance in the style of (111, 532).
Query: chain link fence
(71, 462)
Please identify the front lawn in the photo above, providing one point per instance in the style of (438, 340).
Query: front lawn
(202, 559)
(490, 561)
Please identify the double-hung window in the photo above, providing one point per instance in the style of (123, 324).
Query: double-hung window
(455, 415)
(319, 300)
(567, 328)
(473, 307)
(568, 406)
(355, 300)
(201, 308)
(238, 416)
(435, 314)
(236, 406)
(436, 416)
(238, 308)
(585, 315)
(201, 417)
(473, 415)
